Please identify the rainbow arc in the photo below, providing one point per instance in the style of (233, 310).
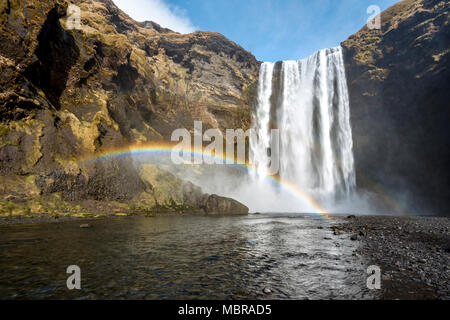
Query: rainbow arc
(165, 149)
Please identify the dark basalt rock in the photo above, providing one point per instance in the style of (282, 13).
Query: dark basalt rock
(103, 181)
(119, 181)
(57, 53)
(399, 82)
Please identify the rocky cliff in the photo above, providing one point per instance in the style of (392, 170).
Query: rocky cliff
(68, 94)
(399, 84)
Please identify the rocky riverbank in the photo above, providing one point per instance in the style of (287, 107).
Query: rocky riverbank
(86, 219)
(413, 253)
(214, 206)
(107, 189)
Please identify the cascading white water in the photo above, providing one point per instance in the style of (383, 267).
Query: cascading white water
(261, 120)
(309, 100)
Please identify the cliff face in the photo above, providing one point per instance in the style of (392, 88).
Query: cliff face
(399, 84)
(70, 94)
(113, 82)
(67, 94)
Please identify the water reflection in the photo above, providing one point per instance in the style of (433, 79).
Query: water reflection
(182, 258)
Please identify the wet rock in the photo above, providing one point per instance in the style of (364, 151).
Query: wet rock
(85, 226)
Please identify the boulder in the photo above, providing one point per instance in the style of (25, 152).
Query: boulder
(216, 205)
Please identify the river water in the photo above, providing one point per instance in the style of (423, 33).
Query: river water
(188, 257)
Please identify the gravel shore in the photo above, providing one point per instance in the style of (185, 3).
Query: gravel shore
(412, 252)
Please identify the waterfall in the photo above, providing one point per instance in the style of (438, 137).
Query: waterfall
(308, 102)
(261, 120)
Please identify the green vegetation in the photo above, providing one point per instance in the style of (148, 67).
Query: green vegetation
(4, 130)
(122, 215)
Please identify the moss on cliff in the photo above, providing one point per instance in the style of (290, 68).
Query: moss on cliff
(398, 80)
(68, 95)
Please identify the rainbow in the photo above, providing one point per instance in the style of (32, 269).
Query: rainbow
(165, 149)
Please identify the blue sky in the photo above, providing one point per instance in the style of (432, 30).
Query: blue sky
(271, 29)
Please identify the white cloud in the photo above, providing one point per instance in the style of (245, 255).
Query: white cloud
(158, 11)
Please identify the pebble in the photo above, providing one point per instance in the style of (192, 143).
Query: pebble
(423, 260)
(85, 226)
(414, 248)
(267, 291)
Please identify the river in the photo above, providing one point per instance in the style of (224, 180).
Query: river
(183, 257)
